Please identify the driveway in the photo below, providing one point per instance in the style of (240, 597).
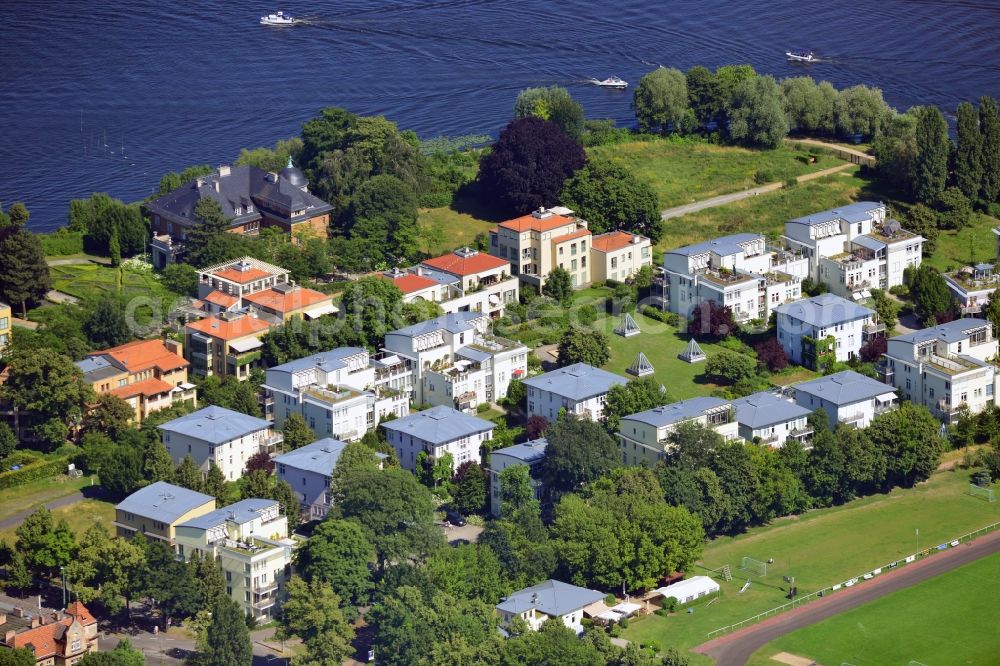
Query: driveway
(459, 535)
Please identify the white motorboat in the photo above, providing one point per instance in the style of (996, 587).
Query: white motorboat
(278, 18)
(612, 82)
(801, 56)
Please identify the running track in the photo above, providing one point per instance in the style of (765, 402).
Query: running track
(735, 649)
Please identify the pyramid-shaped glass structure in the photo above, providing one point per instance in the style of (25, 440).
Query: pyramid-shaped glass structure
(692, 353)
(627, 326)
(641, 366)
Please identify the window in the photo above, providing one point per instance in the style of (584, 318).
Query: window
(76, 646)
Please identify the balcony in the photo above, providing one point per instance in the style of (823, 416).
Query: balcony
(873, 329)
(949, 365)
(724, 277)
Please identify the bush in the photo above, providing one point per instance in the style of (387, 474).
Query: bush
(662, 612)
(670, 603)
(671, 318)
(615, 631)
(791, 182)
(623, 623)
(62, 242)
(35, 471)
(900, 290)
(763, 176)
(482, 407)
(609, 600)
(587, 315)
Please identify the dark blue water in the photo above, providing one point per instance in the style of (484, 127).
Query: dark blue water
(95, 97)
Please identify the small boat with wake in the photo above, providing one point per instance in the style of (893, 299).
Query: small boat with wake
(278, 19)
(801, 56)
(613, 82)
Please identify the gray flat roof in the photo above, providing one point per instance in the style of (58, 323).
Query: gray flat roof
(527, 452)
(440, 424)
(824, 310)
(215, 424)
(456, 322)
(855, 212)
(869, 242)
(95, 368)
(553, 597)
(163, 502)
(723, 246)
(678, 411)
(327, 360)
(952, 331)
(241, 512)
(767, 408)
(844, 388)
(576, 382)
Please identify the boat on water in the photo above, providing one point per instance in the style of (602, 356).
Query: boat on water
(801, 56)
(612, 82)
(278, 18)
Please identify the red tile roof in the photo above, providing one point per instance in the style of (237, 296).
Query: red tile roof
(147, 387)
(241, 277)
(571, 236)
(81, 613)
(45, 639)
(296, 299)
(411, 282)
(458, 265)
(221, 299)
(140, 355)
(531, 223)
(611, 241)
(229, 330)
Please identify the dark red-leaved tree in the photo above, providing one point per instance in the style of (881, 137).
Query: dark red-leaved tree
(772, 355)
(872, 350)
(260, 461)
(711, 320)
(535, 426)
(528, 165)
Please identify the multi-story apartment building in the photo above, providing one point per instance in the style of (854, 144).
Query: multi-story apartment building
(147, 374)
(6, 316)
(824, 326)
(972, 287)
(645, 437)
(854, 248)
(156, 510)
(260, 289)
(250, 197)
(220, 437)
(945, 368)
(438, 431)
(61, 638)
(618, 256)
(250, 541)
(227, 345)
(456, 361)
(461, 281)
(847, 397)
(580, 389)
(737, 271)
(529, 454)
(534, 244)
(342, 393)
(772, 418)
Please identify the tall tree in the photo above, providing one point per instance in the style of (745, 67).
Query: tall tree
(47, 544)
(339, 553)
(968, 151)
(610, 197)
(809, 107)
(930, 173)
(559, 285)
(123, 654)
(111, 416)
(757, 113)
(703, 94)
(909, 439)
(470, 494)
(553, 103)
(661, 100)
(8, 442)
(227, 638)
(862, 110)
(578, 451)
(24, 273)
(638, 395)
(44, 386)
(106, 326)
(313, 613)
(210, 241)
(989, 125)
(373, 306)
(169, 583)
(383, 216)
(930, 294)
(579, 345)
(528, 165)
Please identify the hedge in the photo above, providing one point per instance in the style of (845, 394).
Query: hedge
(42, 469)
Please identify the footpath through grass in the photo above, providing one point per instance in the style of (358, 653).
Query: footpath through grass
(950, 619)
(90, 281)
(36, 493)
(821, 548)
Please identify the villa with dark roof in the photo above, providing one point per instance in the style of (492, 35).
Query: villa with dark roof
(580, 389)
(308, 470)
(219, 437)
(250, 197)
(438, 431)
(824, 324)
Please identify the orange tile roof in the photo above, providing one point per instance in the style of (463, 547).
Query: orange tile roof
(140, 355)
(296, 299)
(147, 387)
(44, 639)
(412, 282)
(611, 241)
(531, 223)
(221, 299)
(229, 330)
(458, 265)
(80, 612)
(241, 277)
(571, 236)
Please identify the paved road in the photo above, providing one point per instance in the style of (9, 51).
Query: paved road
(724, 199)
(19, 517)
(735, 649)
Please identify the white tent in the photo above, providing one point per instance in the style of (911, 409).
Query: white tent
(690, 589)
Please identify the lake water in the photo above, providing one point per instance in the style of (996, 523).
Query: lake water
(96, 97)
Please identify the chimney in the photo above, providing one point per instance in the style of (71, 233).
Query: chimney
(215, 183)
(636, 239)
(223, 170)
(18, 612)
(420, 269)
(174, 347)
(3, 619)
(8, 638)
(35, 621)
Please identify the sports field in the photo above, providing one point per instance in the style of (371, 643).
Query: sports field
(821, 548)
(950, 619)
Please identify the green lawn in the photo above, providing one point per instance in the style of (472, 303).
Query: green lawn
(683, 170)
(87, 281)
(80, 516)
(766, 213)
(949, 619)
(821, 548)
(34, 494)
(974, 243)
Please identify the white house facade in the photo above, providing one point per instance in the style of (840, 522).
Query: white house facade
(807, 327)
(438, 431)
(580, 389)
(645, 437)
(529, 454)
(847, 397)
(772, 418)
(553, 600)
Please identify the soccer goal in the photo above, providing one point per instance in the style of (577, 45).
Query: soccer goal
(753, 566)
(982, 493)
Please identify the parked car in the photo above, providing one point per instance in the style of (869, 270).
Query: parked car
(455, 518)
